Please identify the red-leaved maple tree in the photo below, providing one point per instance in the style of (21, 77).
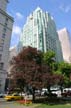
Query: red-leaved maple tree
(27, 69)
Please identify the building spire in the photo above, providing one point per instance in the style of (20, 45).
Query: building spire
(38, 8)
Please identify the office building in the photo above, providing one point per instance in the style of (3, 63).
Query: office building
(12, 53)
(65, 40)
(6, 23)
(40, 32)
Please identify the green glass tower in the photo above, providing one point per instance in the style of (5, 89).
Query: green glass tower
(40, 32)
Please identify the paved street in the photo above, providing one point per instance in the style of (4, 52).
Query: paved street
(5, 104)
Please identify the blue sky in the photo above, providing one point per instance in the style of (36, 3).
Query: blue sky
(20, 9)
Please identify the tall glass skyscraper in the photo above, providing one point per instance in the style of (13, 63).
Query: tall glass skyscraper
(40, 32)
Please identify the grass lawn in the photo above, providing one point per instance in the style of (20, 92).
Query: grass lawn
(52, 106)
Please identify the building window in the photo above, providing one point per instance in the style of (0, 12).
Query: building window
(0, 57)
(6, 19)
(1, 48)
(0, 82)
(2, 41)
(35, 34)
(31, 18)
(1, 66)
(35, 22)
(5, 24)
(40, 40)
(3, 36)
(4, 30)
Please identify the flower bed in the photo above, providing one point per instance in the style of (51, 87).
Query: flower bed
(25, 101)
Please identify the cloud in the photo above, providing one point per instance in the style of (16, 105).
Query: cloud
(19, 15)
(16, 30)
(16, 15)
(64, 8)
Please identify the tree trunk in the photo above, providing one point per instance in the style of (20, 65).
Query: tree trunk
(33, 94)
(61, 88)
(49, 91)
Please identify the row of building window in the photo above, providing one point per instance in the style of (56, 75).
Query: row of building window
(3, 35)
(1, 66)
(0, 57)
(2, 42)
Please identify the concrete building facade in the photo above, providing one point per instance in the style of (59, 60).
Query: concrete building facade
(40, 32)
(12, 53)
(6, 23)
(65, 40)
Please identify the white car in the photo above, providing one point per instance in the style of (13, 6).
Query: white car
(57, 92)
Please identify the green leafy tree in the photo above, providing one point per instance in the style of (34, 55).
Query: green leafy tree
(65, 69)
(49, 59)
(54, 77)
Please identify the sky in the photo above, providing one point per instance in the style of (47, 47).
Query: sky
(20, 9)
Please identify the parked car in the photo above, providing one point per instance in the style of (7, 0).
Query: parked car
(2, 95)
(52, 95)
(37, 92)
(44, 92)
(57, 92)
(66, 94)
(14, 96)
